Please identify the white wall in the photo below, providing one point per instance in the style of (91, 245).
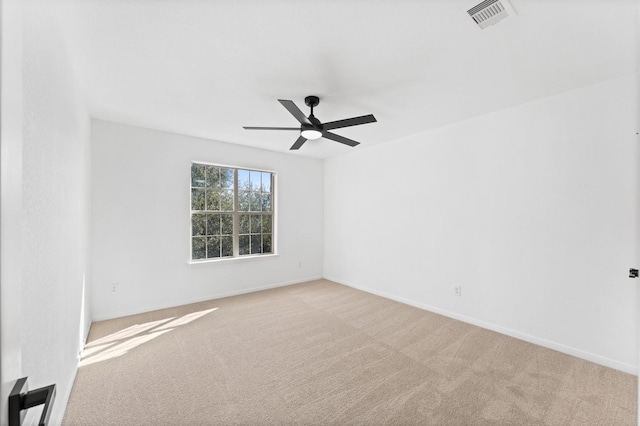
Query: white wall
(637, 263)
(55, 208)
(532, 210)
(11, 113)
(141, 221)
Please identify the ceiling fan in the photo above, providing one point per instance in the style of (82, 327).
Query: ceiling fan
(312, 128)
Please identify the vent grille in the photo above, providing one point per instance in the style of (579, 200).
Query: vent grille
(489, 12)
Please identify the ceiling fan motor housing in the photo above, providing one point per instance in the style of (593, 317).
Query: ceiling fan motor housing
(312, 126)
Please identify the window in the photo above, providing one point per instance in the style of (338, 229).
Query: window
(231, 212)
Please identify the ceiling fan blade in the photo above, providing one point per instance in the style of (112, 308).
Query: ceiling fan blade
(271, 128)
(295, 111)
(355, 121)
(298, 143)
(339, 138)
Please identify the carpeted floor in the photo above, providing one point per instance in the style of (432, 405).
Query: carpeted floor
(320, 353)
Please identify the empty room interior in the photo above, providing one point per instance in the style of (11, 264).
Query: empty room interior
(319, 212)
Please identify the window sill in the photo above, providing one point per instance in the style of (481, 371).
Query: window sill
(233, 259)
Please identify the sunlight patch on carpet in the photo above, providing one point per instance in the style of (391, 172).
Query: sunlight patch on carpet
(121, 342)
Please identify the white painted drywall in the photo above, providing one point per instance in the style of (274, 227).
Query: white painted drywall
(636, 265)
(531, 210)
(11, 112)
(141, 221)
(55, 209)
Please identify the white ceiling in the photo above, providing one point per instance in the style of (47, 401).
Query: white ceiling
(207, 68)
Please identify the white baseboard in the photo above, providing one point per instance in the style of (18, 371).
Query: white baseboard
(213, 296)
(578, 353)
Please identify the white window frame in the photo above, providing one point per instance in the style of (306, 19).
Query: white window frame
(236, 215)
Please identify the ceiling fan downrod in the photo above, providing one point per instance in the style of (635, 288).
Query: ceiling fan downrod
(311, 101)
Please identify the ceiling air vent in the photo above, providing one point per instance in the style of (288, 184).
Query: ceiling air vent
(490, 12)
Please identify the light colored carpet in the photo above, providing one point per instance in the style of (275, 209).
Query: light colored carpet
(320, 353)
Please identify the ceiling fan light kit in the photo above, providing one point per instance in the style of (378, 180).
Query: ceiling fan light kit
(311, 128)
(311, 134)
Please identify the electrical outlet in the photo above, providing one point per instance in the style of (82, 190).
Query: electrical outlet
(114, 287)
(457, 290)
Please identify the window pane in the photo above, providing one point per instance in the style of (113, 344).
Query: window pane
(245, 224)
(226, 201)
(213, 177)
(266, 182)
(266, 202)
(266, 243)
(197, 175)
(243, 201)
(198, 250)
(255, 180)
(213, 200)
(266, 224)
(197, 199)
(227, 246)
(226, 224)
(226, 178)
(256, 224)
(256, 244)
(213, 247)
(255, 202)
(213, 224)
(198, 225)
(244, 244)
(243, 180)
